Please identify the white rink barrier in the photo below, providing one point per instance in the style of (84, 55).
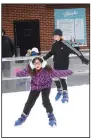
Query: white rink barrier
(18, 58)
(31, 57)
(13, 59)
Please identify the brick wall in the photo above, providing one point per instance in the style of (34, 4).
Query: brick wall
(44, 13)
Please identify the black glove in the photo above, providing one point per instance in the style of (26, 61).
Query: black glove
(84, 60)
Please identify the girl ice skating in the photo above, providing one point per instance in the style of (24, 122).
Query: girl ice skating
(41, 81)
(61, 51)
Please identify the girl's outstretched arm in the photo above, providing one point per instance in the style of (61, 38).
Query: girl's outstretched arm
(60, 73)
(22, 73)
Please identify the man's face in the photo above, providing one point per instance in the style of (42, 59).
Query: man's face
(56, 37)
(2, 34)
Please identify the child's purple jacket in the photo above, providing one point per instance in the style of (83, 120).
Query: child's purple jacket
(43, 78)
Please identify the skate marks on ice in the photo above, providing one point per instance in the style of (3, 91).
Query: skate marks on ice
(72, 118)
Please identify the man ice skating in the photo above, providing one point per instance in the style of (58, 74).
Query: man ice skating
(61, 51)
(41, 81)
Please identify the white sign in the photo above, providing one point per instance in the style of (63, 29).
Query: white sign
(79, 29)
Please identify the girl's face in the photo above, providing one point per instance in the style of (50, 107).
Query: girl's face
(56, 38)
(37, 64)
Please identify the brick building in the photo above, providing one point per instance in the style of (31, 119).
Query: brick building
(45, 14)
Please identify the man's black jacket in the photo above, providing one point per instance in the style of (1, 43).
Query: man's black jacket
(8, 48)
(61, 53)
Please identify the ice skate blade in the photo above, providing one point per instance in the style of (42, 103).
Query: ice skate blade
(18, 124)
(52, 124)
(57, 98)
(64, 101)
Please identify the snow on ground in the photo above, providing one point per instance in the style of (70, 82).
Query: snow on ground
(72, 118)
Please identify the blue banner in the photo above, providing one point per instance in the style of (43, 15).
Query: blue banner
(73, 24)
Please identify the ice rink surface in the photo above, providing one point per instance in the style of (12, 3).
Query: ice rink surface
(72, 118)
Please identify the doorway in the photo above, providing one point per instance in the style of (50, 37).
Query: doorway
(26, 35)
